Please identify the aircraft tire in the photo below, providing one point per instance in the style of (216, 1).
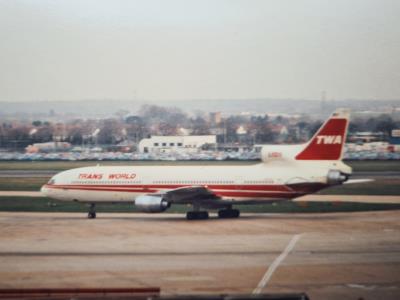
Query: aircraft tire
(228, 213)
(203, 215)
(190, 215)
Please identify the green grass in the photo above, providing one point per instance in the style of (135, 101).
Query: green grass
(357, 166)
(22, 183)
(380, 186)
(374, 165)
(315, 207)
(29, 204)
(43, 204)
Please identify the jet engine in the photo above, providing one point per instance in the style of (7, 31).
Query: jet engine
(151, 204)
(336, 177)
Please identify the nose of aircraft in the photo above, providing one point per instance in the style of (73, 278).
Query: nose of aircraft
(44, 190)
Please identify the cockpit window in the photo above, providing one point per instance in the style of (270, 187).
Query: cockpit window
(51, 181)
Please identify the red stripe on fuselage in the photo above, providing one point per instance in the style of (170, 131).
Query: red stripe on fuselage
(254, 191)
(238, 187)
(105, 189)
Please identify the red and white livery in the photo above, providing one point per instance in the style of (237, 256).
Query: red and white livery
(286, 172)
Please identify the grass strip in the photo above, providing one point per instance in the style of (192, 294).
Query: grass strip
(28, 204)
(358, 166)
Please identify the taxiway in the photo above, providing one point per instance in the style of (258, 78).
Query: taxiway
(328, 256)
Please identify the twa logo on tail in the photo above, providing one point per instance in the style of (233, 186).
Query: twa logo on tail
(328, 142)
(329, 139)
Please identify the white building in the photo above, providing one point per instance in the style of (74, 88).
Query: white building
(163, 144)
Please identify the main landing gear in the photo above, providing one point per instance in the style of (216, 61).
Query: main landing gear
(92, 211)
(197, 214)
(228, 213)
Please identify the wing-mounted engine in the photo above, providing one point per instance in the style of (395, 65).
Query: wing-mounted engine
(271, 153)
(335, 177)
(151, 203)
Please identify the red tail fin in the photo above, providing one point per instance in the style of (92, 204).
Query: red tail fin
(328, 142)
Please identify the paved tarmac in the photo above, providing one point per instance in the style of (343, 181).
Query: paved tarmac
(328, 256)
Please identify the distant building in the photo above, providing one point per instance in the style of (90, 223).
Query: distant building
(163, 144)
(184, 131)
(394, 141)
(395, 134)
(242, 135)
(215, 117)
(241, 130)
(280, 131)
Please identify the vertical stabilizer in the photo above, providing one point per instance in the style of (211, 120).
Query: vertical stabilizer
(328, 142)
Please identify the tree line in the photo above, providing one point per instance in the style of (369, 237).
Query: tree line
(158, 120)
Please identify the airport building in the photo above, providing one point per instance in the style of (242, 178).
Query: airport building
(394, 141)
(165, 144)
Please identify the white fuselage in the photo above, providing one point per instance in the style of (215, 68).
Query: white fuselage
(262, 181)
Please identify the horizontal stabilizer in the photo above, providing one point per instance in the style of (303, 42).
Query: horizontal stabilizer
(351, 181)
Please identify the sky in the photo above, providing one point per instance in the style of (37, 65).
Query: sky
(205, 49)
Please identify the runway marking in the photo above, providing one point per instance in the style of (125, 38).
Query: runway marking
(275, 264)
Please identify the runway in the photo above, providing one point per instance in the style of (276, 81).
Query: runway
(328, 256)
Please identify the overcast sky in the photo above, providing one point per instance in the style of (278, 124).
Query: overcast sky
(160, 50)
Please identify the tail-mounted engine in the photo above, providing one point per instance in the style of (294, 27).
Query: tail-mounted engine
(335, 177)
(151, 204)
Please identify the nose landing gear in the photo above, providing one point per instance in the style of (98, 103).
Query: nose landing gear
(92, 211)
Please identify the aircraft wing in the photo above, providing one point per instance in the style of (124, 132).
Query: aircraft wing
(191, 195)
(197, 196)
(202, 196)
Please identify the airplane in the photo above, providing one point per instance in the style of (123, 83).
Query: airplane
(286, 172)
